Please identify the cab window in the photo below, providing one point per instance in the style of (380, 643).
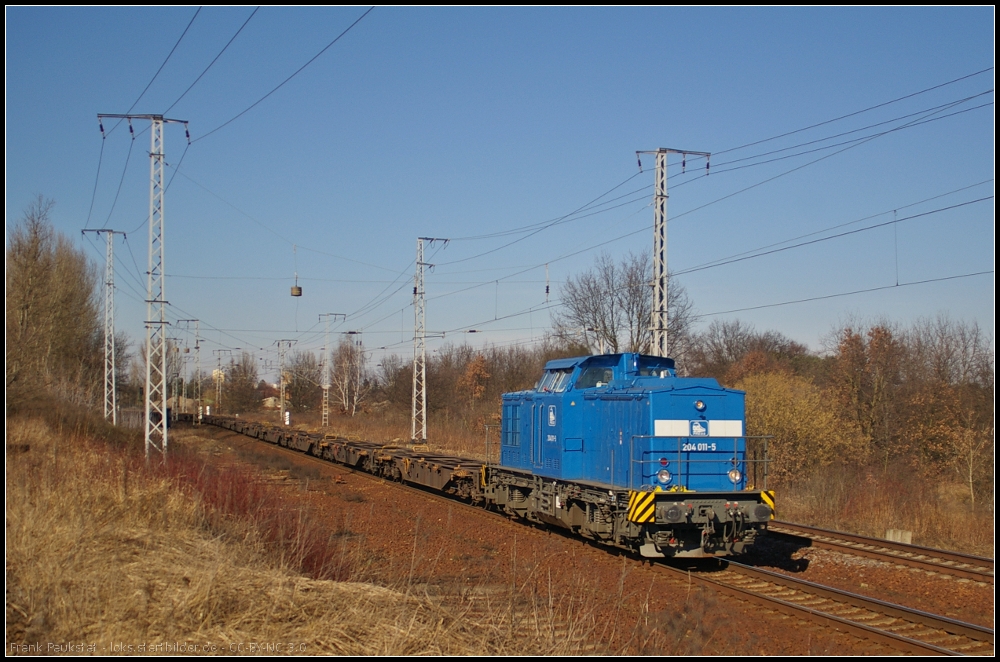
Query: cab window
(555, 381)
(594, 376)
(654, 369)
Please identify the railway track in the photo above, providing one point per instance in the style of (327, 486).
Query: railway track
(966, 566)
(903, 629)
(899, 628)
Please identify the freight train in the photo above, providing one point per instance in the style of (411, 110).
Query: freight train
(616, 448)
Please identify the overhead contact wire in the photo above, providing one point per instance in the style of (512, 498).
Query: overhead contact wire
(231, 40)
(282, 83)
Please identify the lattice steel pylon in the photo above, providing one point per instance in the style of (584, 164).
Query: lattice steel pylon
(110, 385)
(660, 345)
(419, 418)
(156, 320)
(156, 314)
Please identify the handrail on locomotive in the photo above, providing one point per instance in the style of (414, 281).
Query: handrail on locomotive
(758, 479)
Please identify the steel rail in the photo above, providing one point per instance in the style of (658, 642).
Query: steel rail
(967, 566)
(885, 621)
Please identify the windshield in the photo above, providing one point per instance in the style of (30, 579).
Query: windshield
(555, 381)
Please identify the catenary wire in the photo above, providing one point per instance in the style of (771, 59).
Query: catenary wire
(228, 43)
(167, 59)
(857, 112)
(282, 83)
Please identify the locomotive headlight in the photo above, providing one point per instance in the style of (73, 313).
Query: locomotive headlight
(663, 476)
(735, 475)
(699, 405)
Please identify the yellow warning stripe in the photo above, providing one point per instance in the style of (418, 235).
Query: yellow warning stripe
(767, 496)
(641, 507)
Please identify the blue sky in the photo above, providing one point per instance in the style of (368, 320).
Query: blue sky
(457, 123)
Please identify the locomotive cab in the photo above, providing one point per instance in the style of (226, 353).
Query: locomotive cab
(667, 456)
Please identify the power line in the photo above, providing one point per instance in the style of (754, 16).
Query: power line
(132, 107)
(271, 230)
(857, 112)
(915, 123)
(539, 229)
(231, 40)
(836, 236)
(559, 302)
(844, 294)
(550, 222)
(97, 178)
(128, 157)
(724, 260)
(535, 228)
(282, 83)
(796, 168)
(864, 128)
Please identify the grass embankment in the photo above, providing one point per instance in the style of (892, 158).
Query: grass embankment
(104, 553)
(870, 500)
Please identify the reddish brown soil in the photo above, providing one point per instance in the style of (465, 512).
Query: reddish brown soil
(544, 584)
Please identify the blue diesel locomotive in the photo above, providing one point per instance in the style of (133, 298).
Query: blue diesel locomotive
(621, 450)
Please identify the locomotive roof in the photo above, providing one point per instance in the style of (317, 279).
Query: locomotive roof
(609, 359)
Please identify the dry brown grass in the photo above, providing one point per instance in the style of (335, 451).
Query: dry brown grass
(102, 552)
(870, 500)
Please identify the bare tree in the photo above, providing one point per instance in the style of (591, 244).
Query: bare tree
(304, 389)
(240, 389)
(949, 352)
(53, 330)
(394, 380)
(123, 361)
(610, 308)
(350, 378)
(390, 370)
(721, 345)
(730, 350)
